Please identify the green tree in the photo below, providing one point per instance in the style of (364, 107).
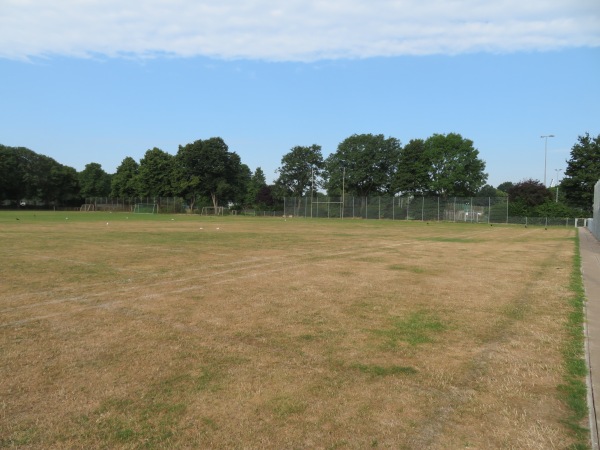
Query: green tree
(504, 187)
(300, 170)
(265, 198)
(551, 208)
(490, 191)
(256, 184)
(365, 164)
(242, 182)
(206, 168)
(25, 174)
(526, 195)
(582, 173)
(455, 169)
(14, 164)
(156, 174)
(59, 185)
(488, 196)
(94, 181)
(125, 181)
(412, 175)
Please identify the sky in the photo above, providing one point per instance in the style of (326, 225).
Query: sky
(102, 80)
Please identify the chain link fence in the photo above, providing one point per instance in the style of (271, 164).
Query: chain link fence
(166, 205)
(484, 210)
(427, 209)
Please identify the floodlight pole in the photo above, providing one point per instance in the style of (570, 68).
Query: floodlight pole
(343, 188)
(312, 182)
(557, 170)
(546, 153)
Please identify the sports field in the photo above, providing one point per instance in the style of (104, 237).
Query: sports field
(152, 331)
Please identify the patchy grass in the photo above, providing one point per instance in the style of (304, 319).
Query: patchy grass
(574, 388)
(418, 328)
(381, 371)
(412, 269)
(195, 332)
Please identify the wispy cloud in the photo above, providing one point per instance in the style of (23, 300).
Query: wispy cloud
(294, 30)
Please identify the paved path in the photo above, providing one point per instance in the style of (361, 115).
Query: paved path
(590, 261)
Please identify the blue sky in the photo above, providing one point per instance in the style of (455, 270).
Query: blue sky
(98, 81)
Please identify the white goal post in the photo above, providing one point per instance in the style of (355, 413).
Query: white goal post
(212, 211)
(145, 208)
(87, 207)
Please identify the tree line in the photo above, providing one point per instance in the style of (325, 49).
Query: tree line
(206, 172)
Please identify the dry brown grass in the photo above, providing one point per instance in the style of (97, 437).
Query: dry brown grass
(267, 333)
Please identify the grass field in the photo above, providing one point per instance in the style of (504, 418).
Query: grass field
(123, 331)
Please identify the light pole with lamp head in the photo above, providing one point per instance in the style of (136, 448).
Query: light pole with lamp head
(546, 154)
(312, 183)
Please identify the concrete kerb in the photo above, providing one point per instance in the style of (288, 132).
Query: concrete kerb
(590, 262)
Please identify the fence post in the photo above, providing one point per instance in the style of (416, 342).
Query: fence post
(473, 212)
(454, 211)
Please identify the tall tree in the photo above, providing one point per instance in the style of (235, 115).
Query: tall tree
(59, 185)
(14, 164)
(94, 181)
(364, 164)
(241, 183)
(25, 174)
(206, 168)
(582, 173)
(156, 174)
(456, 169)
(265, 199)
(125, 181)
(300, 170)
(412, 176)
(257, 182)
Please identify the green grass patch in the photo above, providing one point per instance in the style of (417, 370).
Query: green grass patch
(208, 380)
(285, 406)
(402, 267)
(375, 370)
(418, 328)
(574, 389)
(449, 239)
(515, 311)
